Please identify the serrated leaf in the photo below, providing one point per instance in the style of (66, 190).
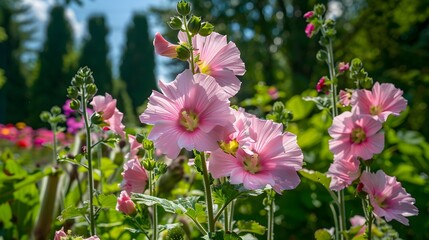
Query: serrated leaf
(316, 176)
(197, 213)
(169, 206)
(299, 108)
(250, 227)
(225, 193)
(106, 201)
(111, 142)
(322, 234)
(73, 212)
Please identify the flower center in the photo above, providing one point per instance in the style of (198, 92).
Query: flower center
(204, 68)
(381, 201)
(358, 135)
(189, 120)
(252, 164)
(230, 147)
(375, 110)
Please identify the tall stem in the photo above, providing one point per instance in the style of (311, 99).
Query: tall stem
(89, 158)
(155, 209)
(208, 193)
(271, 197)
(188, 34)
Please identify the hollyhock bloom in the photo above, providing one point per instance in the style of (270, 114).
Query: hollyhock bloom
(187, 113)
(382, 101)
(309, 30)
(125, 204)
(44, 136)
(219, 59)
(308, 14)
(134, 147)
(358, 221)
(345, 97)
(59, 234)
(273, 92)
(106, 107)
(322, 86)
(135, 177)
(388, 198)
(342, 67)
(356, 135)
(272, 160)
(343, 172)
(164, 47)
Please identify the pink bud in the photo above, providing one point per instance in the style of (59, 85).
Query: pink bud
(308, 14)
(59, 234)
(164, 47)
(309, 29)
(273, 92)
(321, 85)
(342, 66)
(125, 204)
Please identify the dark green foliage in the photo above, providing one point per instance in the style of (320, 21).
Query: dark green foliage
(138, 63)
(94, 54)
(14, 94)
(50, 86)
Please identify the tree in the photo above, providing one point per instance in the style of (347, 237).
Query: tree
(50, 86)
(14, 92)
(138, 62)
(94, 53)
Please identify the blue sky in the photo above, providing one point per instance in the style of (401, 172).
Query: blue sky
(117, 12)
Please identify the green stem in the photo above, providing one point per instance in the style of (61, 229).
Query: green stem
(208, 194)
(89, 158)
(188, 34)
(271, 198)
(155, 209)
(334, 213)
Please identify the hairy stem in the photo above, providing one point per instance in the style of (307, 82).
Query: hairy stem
(208, 194)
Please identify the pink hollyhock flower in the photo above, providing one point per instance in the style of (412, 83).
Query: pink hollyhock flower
(382, 101)
(67, 109)
(345, 97)
(134, 147)
(44, 136)
(309, 14)
(125, 204)
(309, 30)
(272, 160)
(358, 221)
(135, 177)
(342, 67)
(187, 113)
(60, 234)
(106, 107)
(322, 86)
(164, 47)
(219, 59)
(273, 92)
(388, 198)
(356, 135)
(343, 172)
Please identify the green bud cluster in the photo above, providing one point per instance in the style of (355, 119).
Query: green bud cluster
(280, 114)
(359, 75)
(53, 117)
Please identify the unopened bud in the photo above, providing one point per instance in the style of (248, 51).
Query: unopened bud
(278, 106)
(206, 29)
(147, 145)
(44, 116)
(91, 89)
(175, 23)
(72, 92)
(55, 110)
(319, 9)
(194, 25)
(74, 104)
(96, 118)
(140, 137)
(356, 64)
(183, 53)
(149, 164)
(183, 8)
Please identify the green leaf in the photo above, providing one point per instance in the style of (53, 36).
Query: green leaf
(106, 201)
(169, 206)
(322, 234)
(251, 227)
(73, 212)
(309, 138)
(197, 213)
(225, 193)
(299, 108)
(316, 176)
(6, 215)
(111, 142)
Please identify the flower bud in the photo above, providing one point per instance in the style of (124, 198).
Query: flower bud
(183, 53)
(74, 104)
(322, 85)
(206, 29)
(330, 32)
(89, 79)
(72, 92)
(44, 116)
(124, 204)
(175, 233)
(55, 110)
(309, 30)
(91, 89)
(175, 23)
(342, 67)
(140, 137)
(96, 118)
(278, 106)
(367, 83)
(149, 164)
(356, 64)
(147, 145)
(183, 8)
(308, 14)
(319, 9)
(194, 25)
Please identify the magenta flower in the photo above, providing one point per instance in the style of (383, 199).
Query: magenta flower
(342, 67)
(125, 204)
(112, 117)
(273, 92)
(164, 47)
(187, 113)
(356, 135)
(272, 160)
(322, 86)
(219, 59)
(309, 30)
(388, 198)
(343, 171)
(308, 14)
(382, 101)
(345, 97)
(60, 234)
(135, 177)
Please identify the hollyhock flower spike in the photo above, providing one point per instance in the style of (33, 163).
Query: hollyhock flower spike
(343, 172)
(388, 198)
(382, 101)
(135, 177)
(187, 113)
(273, 159)
(355, 135)
(164, 47)
(219, 59)
(125, 204)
